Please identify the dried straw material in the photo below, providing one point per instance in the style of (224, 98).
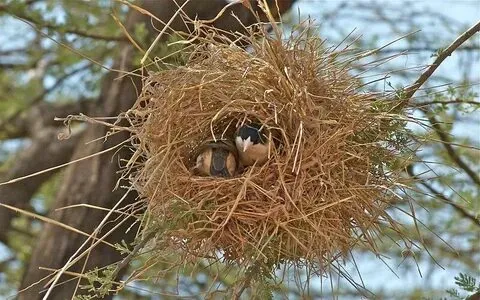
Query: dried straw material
(325, 187)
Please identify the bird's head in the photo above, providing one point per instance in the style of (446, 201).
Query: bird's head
(248, 135)
(203, 161)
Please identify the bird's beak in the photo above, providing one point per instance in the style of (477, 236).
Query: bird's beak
(245, 146)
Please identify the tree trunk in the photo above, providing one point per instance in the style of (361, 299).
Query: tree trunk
(92, 181)
(87, 182)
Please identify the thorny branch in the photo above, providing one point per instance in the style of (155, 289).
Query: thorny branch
(126, 261)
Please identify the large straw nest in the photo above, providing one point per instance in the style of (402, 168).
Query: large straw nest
(325, 187)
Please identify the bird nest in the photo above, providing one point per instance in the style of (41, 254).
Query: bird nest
(330, 174)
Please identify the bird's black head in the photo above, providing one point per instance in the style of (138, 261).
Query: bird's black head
(254, 131)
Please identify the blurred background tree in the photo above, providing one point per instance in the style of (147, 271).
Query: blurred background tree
(62, 57)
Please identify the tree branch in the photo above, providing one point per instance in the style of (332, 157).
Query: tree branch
(425, 49)
(42, 95)
(462, 211)
(23, 16)
(447, 144)
(411, 90)
(42, 115)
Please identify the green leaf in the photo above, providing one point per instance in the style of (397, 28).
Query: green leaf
(466, 282)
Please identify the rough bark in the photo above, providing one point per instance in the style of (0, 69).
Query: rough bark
(89, 182)
(92, 181)
(44, 152)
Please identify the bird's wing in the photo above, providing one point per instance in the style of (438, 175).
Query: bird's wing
(219, 162)
(224, 144)
(229, 146)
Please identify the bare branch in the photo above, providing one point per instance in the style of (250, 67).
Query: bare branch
(437, 194)
(411, 90)
(427, 49)
(448, 145)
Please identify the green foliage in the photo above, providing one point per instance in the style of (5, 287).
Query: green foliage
(265, 290)
(454, 293)
(466, 283)
(99, 283)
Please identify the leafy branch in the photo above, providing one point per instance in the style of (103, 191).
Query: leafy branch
(59, 28)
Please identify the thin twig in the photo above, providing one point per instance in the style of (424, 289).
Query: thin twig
(426, 49)
(132, 254)
(411, 90)
(448, 145)
(455, 101)
(159, 36)
(439, 195)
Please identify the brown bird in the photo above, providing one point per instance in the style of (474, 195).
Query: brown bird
(217, 158)
(252, 144)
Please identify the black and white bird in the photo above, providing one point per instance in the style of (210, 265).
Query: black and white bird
(217, 158)
(252, 144)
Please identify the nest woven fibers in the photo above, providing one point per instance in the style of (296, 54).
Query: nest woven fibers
(331, 170)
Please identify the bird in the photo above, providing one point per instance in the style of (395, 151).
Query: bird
(217, 158)
(252, 144)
